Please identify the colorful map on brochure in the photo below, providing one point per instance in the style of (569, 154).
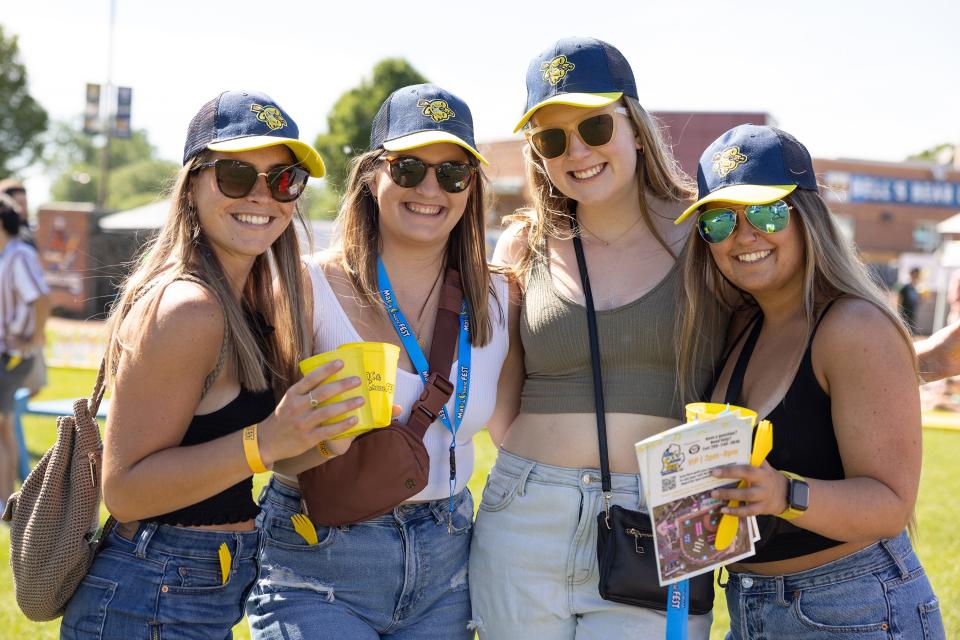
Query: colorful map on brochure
(675, 467)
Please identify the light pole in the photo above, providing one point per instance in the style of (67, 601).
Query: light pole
(107, 125)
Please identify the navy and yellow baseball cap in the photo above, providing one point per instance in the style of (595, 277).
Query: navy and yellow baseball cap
(244, 121)
(583, 72)
(423, 114)
(752, 164)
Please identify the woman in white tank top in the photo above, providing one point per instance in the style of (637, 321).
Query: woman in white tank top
(413, 205)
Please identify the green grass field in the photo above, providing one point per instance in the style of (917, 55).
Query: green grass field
(938, 544)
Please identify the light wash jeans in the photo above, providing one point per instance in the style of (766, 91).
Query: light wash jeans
(400, 575)
(165, 584)
(877, 593)
(533, 563)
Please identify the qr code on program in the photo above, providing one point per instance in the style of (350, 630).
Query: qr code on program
(668, 484)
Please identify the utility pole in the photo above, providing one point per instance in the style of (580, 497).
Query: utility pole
(107, 121)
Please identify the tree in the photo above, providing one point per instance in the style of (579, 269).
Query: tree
(22, 119)
(941, 154)
(136, 176)
(348, 124)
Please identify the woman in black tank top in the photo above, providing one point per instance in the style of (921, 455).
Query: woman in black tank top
(838, 490)
(201, 349)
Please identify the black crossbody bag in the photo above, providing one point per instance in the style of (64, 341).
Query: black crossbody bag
(626, 556)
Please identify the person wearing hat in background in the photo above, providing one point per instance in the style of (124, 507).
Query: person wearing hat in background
(593, 153)
(24, 309)
(36, 378)
(203, 349)
(413, 205)
(819, 353)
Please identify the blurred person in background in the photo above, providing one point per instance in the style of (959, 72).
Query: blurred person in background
(24, 308)
(36, 378)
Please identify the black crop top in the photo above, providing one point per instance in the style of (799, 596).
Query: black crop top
(803, 442)
(236, 503)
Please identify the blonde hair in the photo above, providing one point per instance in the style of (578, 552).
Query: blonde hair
(358, 242)
(181, 249)
(658, 174)
(832, 268)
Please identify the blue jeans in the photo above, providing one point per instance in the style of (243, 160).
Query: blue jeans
(533, 565)
(163, 584)
(878, 593)
(400, 575)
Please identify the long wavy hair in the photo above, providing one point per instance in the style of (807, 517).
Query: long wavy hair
(273, 288)
(658, 174)
(358, 242)
(832, 268)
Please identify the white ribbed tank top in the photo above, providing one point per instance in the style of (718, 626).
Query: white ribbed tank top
(332, 327)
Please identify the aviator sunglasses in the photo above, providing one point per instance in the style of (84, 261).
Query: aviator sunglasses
(407, 171)
(595, 131)
(716, 225)
(235, 179)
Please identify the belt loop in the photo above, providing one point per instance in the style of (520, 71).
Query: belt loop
(781, 595)
(897, 560)
(522, 481)
(641, 501)
(146, 535)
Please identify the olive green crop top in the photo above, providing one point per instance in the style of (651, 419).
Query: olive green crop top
(637, 350)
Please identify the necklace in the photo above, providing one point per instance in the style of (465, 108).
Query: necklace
(607, 243)
(417, 332)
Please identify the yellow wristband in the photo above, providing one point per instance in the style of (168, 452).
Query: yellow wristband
(251, 449)
(324, 451)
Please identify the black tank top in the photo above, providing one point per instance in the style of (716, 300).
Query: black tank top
(236, 503)
(803, 442)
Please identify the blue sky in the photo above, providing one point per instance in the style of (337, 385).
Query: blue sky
(875, 80)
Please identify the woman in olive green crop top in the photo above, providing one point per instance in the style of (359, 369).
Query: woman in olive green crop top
(600, 153)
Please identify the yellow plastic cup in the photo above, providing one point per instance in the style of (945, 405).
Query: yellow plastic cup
(380, 375)
(707, 410)
(352, 366)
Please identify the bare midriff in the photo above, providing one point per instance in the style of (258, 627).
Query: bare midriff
(246, 525)
(800, 563)
(570, 439)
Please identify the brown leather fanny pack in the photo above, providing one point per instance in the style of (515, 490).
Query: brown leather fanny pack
(384, 467)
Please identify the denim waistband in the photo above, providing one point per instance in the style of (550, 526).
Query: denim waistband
(585, 479)
(880, 555)
(287, 497)
(192, 543)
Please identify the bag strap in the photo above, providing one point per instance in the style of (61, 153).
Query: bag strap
(597, 375)
(438, 389)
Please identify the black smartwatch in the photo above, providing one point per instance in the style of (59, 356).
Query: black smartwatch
(798, 496)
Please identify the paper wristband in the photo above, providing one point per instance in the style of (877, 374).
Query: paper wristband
(251, 449)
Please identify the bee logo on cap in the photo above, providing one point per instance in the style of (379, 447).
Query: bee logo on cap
(557, 69)
(270, 115)
(438, 110)
(727, 160)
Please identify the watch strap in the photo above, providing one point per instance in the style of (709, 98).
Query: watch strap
(790, 512)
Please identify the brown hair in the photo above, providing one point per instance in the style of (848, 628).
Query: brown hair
(831, 269)
(658, 174)
(180, 248)
(358, 242)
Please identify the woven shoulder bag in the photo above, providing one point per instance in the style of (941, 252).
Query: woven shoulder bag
(54, 518)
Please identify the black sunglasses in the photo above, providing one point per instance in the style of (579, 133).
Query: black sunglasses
(235, 179)
(407, 171)
(551, 142)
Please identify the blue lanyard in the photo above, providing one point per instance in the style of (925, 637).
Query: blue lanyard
(420, 363)
(678, 606)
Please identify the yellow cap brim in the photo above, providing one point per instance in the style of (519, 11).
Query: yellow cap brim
(425, 138)
(304, 153)
(741, 194)
(589, 100)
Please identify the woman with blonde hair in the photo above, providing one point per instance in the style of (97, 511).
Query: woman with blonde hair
(602, 178)
(412, 213)
(820, 354)
(203, 356)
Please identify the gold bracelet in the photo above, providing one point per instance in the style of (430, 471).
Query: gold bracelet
(251, 449)
(324, 451)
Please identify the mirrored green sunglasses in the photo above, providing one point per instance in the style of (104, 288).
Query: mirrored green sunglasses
(716, 225)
